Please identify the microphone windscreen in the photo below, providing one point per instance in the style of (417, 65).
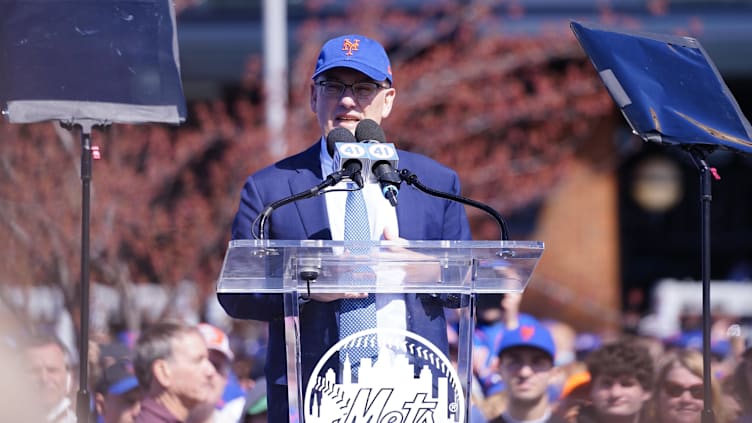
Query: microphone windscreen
(338, 135)
(368, 130)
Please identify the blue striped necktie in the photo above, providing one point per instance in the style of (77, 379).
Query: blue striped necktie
(360, 313)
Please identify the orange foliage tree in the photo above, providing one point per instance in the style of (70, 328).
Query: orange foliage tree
(507, 113)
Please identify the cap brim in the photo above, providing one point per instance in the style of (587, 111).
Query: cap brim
(123, 386)
(523, 345)
(228, 354)
(372, 72)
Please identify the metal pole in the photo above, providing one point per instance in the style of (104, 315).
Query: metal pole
(706, 198)
(275, 74)
(83, 401)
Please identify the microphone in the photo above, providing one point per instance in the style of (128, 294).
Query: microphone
(349, 157)
(338, 135)
(384, 158)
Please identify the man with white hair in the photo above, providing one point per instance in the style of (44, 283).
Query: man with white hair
(172, 365)
(50, 369)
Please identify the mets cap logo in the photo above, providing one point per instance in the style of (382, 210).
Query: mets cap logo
(527, 332)
(350, 46)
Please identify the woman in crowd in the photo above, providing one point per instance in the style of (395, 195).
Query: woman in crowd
(678, 392)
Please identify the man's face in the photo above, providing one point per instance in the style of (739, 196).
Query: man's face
(526, 372)
(190, 371)
(348, 109)
(119, 408)
(615, 397)
(50, 373)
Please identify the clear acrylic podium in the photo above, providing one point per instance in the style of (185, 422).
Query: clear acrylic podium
(412, 377)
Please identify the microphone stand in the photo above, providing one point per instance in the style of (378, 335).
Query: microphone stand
(331, 180)
(706, 198)
(83, 400)
(412, 179)
(308, 273)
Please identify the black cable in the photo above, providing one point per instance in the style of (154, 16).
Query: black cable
(411, 179)
(330, 181)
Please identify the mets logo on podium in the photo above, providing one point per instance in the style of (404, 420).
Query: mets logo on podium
(410, 381)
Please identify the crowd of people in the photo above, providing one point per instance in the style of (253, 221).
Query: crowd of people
(537, 370)
(525, 369)
(171, 372)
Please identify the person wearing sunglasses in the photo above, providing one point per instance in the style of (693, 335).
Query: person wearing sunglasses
(678, 392)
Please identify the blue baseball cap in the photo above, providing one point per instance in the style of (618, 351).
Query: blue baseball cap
(117, 379)
(533, 335)
(355, 52)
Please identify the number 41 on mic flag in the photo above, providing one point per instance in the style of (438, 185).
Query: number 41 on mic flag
(383, 151)
(381, 154)
(368, 154)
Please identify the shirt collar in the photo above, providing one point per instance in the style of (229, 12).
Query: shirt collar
(60, 411)
(327, 162)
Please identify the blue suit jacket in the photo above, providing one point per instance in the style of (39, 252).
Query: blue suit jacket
(420, 217)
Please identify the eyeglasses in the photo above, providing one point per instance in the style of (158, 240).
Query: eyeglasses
(361, 90)
(675, 391)
(513, 361)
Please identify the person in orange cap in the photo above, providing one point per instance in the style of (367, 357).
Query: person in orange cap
(574, 393)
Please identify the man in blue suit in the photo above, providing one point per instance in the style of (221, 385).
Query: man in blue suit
(352, 82)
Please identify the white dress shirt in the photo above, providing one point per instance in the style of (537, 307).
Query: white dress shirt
(390, 308)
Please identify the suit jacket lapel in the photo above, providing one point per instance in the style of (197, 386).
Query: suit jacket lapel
(312, 211)
(407, 201)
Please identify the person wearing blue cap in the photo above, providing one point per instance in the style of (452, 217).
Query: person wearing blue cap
(526, 365)
(352, 83)
(496, 315)
(117, 395)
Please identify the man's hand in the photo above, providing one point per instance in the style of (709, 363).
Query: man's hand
(421, 267)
